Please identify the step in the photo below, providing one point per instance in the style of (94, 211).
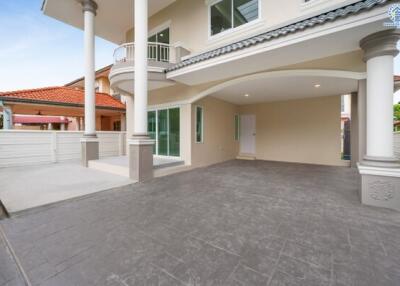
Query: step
(109, 168)
(246, 157)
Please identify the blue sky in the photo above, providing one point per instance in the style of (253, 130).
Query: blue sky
(38, 51)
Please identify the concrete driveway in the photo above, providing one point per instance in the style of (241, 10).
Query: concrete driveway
(27, 187)
(236, 223)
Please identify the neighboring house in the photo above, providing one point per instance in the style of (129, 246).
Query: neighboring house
(102, 83)
(58, 108)
(216, 79)
(397, 126)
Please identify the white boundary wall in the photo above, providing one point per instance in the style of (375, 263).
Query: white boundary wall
(26, 147)
(397, 144)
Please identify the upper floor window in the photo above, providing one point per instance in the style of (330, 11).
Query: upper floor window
(229, 14)
(158, 49)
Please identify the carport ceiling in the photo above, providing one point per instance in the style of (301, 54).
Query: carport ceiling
(113, 20)
(285, 88)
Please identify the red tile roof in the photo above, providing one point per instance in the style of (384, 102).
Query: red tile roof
(397, 78)
(61, 95)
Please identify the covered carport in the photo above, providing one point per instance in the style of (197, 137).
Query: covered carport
(290, 115)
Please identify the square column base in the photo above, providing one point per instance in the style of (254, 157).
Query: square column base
(89, 150)
(380, 186)
(141, 158)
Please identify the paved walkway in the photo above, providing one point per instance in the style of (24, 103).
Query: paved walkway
(236, 223)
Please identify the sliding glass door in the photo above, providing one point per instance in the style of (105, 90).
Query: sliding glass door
(164, 127)
(174, 132)
(151, 127)
(162, 132)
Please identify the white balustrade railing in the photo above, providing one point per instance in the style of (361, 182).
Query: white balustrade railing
(155, 52)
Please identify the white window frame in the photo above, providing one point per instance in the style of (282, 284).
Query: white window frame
(315, 3)
(202, 124)
(156, 110)
(233, 29)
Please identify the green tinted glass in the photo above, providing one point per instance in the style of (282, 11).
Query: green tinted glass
(199, 124)
(244, 11)
(163, 132)
(151, 126)
(221, 16)
(174, 125)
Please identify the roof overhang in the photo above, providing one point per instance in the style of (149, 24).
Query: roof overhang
(112, 21)
(15, 100)
(320, 40)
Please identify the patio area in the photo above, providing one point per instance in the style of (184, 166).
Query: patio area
(26, 187)
(235, 223)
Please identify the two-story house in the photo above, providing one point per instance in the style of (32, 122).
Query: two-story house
(211, 80)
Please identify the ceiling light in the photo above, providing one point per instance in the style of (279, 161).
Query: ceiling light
(317, 86)
(246, 95)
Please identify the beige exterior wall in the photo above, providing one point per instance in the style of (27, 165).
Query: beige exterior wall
(219, 144)
(189, 20)
(305, 131)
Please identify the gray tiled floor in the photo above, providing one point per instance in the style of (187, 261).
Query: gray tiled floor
(236, 223)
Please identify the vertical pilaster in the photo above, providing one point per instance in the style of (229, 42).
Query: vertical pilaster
(123, 122)
(354, 130)
(362, 118)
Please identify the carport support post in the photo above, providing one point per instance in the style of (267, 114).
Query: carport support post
(140, 145)
(89, 142)
(380, 170)
(354, 138)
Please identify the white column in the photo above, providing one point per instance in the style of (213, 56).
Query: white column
(140, 93)
(380, 49)
(89, 10)
(380, 170)
(89, 142)
(380, 106)
(140, 146)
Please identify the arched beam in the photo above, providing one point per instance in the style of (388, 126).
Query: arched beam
(277, 74)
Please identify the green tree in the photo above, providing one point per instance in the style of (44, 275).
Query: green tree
(396, 111)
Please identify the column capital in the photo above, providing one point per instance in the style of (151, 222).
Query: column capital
(89, 5)
(382, 43)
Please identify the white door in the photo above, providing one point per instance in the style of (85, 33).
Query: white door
(248, 134)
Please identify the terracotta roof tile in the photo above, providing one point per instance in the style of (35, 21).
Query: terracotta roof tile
(62, 95)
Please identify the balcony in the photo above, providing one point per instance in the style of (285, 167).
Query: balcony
(160, 57)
